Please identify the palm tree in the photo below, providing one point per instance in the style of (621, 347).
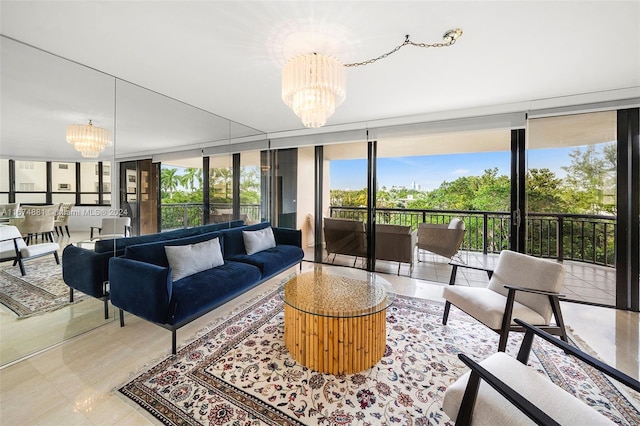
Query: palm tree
(190, 177)
(169, 181)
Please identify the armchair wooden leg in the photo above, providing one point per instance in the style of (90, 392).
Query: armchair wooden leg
(445, 315)
(22, 271)
(173, 342)
(55, 254)
(506, 321)
(557, 313)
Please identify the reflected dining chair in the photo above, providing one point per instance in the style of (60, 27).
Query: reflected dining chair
(62, 218)
(38, 220)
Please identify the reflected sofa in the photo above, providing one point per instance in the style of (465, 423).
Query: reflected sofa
(87, 270)
(142, 283)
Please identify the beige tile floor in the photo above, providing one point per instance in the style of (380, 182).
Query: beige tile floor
(73, 382)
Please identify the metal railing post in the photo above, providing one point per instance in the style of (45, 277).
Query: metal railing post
(560, 239)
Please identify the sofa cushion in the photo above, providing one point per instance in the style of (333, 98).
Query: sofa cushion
(205, 290)
(233, 242)
(272, 260)
(255, 241)
(192, 258)
(155, 253)
(487, 306)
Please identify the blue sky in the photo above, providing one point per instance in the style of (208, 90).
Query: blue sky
(430, 171)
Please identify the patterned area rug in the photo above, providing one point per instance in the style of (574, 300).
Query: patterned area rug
(240, 373)
(40, 290)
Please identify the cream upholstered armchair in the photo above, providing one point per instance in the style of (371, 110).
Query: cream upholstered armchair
(503, 390)
(13, 247)
(522, 287)
(441, 239)
(112, 227)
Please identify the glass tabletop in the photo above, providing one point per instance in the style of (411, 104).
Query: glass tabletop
(328, 293)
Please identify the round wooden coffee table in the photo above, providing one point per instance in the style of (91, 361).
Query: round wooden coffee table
(336, 323)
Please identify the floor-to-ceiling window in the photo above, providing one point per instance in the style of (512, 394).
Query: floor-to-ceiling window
(571, 200)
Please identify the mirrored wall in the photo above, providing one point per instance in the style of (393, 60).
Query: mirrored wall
(41, 94)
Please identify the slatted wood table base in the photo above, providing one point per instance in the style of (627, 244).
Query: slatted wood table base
(335, 345)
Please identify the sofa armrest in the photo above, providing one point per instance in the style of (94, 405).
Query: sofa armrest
(85, 270)
(291, 237)
(140, 288)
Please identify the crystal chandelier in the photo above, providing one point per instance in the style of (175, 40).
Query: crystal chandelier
(88, 139)
(313, 85)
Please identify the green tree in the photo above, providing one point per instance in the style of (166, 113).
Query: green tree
(169, 181)
(544, 192)
(192, 178)
(589, 186)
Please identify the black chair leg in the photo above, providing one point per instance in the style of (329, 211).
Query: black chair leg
(22, 271)
(445, 315)
(70, 295)
(173, 342)
(557, 313)
(106, 308)
(67, 228)
(55, 254)
(121, 318)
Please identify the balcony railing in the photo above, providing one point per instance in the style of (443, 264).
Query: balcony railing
(584, 238)
(186, 215)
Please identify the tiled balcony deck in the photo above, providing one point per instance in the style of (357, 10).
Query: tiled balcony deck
(583, 282)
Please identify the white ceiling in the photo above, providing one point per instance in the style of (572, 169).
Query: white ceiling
(225, 57)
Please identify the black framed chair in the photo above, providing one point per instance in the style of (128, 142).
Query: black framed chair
(521, 286)
(504, 390)
(13, 247)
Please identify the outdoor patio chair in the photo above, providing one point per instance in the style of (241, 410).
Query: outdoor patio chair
(504, 390)
(441, 239)
(13, 247)
(345, 236)
(112, 227)
(521, 286)
(62, 218)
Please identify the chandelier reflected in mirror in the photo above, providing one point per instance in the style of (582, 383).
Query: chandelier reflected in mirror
(89, 140)
(313, 84)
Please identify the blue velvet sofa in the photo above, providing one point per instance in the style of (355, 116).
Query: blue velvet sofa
(88, 270)
(141, 281)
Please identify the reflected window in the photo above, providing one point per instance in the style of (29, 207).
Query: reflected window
(250, 187)
(95, 188)
(221, 188)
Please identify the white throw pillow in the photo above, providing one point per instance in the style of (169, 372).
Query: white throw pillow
(255, 241)
(189, 259)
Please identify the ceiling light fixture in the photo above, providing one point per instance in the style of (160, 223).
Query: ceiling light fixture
(313, 85)
(88, 139)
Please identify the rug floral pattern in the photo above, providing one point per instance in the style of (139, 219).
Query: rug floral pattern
(240, 373)
(42, 289)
